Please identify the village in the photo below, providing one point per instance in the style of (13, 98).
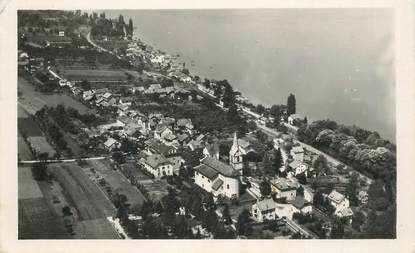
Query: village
(142, 136)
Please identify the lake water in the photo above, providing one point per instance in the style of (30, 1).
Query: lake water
(338, 63)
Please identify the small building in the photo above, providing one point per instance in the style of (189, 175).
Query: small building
(111, 143)
(217, 177)
(297, 152)
(264, 210)
(176, 162)
(211, 150)
(284, 188)
(158, 165)
(301, 205)
(338, 200)
(345, 213)
(293, 118)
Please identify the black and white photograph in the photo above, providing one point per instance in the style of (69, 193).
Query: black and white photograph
(205, 124)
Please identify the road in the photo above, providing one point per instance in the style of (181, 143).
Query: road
(62, 160)
(298, 228)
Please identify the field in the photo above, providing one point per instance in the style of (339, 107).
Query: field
(93, 74)
(95, 229)
(41, 145)
(28, 187)
(23, 148)
(118, 182)
(88, 199)
(32, 100)
(37, 221)
(28, 127)
(36, 218)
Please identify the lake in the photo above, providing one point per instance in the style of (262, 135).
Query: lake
(337, 62)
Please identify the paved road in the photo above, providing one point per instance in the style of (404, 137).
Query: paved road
(62, 160)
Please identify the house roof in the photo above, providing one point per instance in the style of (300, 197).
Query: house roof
(345, 212)
(156, 160)
(217, 184)
(284, 184)
(207, 171)
(336, 196)
(297, 149)
(266, 205)
(299, 202)
(110, 142)
(182, 137)
(220, 167)
(212, 148)
(294, 164)
(183, 122)
(159, 147)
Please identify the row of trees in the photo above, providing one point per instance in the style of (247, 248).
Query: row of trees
(102, 26)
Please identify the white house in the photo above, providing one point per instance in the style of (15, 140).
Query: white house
(284, 188)
(338, 200)
(297, 152)
(158, 165)
(264, 210)
(111, 143)
(217, 177)
(293, 117)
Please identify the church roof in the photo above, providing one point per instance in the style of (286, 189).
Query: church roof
(220, 167)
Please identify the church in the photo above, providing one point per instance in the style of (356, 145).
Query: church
(239, 149)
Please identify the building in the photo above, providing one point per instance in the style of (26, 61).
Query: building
(284, 188)
(217, 177)
(157, 147)
(176, 162)
(212, 150)
(301, 205)
(264, 210)
(297, 152)
(237, 152)
(338, 200)
(158, 165)
(293, 118)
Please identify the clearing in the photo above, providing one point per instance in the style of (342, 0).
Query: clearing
(90, 202)
(28, 187)
(118, 182)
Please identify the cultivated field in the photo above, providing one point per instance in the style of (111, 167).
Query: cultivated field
(93, 74)
(95, 229)
(118, 182)
(28, 187)
(32, 100)
(29, 127)
(89, 200)
(23, 149)
(41, 145)
(37, 221)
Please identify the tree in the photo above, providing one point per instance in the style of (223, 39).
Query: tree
(338, 229)
(265, 188)
(291, 104)
(244, 225)
(66, 210)
(277, 160)
(351, 189)
(39, 171)
(227, 215)
(318, 198)
(130, 27)
(118, 156)
(320, 165)
(85, 85)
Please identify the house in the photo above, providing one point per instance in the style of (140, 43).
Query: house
(345, 213)
(211, 150)
(88, 95)
(182, 138)
(217, 177)
(158, 165)
(162, 131)
(176, 162)
(283, 210)
(292, 118)
(264, 210)
(284, 188)
(111, 143)
(157, 147)
(338, 200)
(301, 205)
(185, 124)
(297, 152)
(363, 197)
(194, 144)
(298, 167)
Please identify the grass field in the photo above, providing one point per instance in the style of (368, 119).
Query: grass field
(88, 199)
(37, 221)
(23, 149)
(95, 229)
(41, 145)
(29, 127)
(94, 75)
(32, 100)
(118, 182)
(28, 187)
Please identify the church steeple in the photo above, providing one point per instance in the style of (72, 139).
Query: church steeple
(235, 154)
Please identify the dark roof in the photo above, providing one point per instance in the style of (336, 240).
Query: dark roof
(207, 171)
(159, 147)
(220, 167)
(156, 160)
(217, 184)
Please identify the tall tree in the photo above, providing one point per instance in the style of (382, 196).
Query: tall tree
(227, 215)
(244, 225)
(277, 160)
(265, 188)
(130, 27)
(291, 104)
